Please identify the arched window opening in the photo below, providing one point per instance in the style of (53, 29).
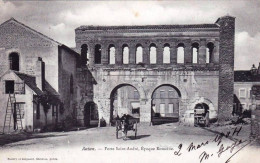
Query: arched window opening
(71, 84)
(97, 54)
(209, 52)
(14, 61)
(84, 54)
(195, 52)
(166, 53)
(125, 54)
(153, 55)
(180, 53)
(139, 53)
(111, 54)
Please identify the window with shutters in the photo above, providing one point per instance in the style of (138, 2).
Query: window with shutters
(19, 88)
(14, 87)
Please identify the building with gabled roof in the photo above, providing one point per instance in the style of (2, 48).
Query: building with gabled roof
(244, 80)
(42, 73)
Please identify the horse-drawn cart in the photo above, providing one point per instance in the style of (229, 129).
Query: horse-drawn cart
(124, 127)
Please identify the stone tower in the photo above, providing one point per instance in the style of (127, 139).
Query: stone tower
(226, 66)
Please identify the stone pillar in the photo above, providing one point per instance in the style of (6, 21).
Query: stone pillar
(146, 55)
(187, 53)
(202, 52)
(119, 54)
(173, 54)
(216, 53)
(91, 49)
(159, 54)
(104, 57)
(132, 54)
(145, 111)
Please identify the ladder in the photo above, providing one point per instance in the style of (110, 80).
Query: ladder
(13, 111)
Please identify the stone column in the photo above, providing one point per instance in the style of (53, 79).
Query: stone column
(146, 55)
(202, 52)
(173, 54)
(104, 57)
(145, 111)
(159, 54)
(119, 54)
(132, 54)
(91, 49)
(187, 53)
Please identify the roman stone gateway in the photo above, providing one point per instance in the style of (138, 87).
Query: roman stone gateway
(188, 64)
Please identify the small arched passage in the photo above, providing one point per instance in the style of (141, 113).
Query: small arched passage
(91, 114)
(165, 104)
(124, 99)
(201, 114)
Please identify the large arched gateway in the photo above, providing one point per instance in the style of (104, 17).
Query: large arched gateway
(165, 104)
(191, 58)
(124, 99)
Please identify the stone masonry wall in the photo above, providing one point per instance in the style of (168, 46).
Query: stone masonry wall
(226, 67)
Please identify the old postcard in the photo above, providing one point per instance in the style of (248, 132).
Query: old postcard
(129, 81)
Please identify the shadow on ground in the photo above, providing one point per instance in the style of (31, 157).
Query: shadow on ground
(11, 138)
(138, 137)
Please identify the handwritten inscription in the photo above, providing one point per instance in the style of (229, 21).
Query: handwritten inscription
(223, 149)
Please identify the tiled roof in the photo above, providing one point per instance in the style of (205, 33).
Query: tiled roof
(147, 27)
(246, 76)
(50, 90)
(30, 81)
(25, 26)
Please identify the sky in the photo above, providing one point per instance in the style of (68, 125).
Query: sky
(58, 19)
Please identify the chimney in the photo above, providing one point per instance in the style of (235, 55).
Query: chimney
(40, 74)
(254, 70)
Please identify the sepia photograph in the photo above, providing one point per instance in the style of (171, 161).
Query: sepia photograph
(129, 81)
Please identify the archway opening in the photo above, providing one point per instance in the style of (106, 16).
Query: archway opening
(165, 104)
(84, 54)
(153, 54)
(166, 53)
(209, 52)
(124, 99)
(180, 53)
(91, 114)
(97, 59)
(139, 53)
(195, 52)
(14, 61)
(201, 114)
(125, 51)
(111, 54)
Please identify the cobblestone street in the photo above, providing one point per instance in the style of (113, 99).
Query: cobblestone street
(168, 140)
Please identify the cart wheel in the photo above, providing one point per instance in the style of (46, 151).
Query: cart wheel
(135, 129)
(117, 128)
